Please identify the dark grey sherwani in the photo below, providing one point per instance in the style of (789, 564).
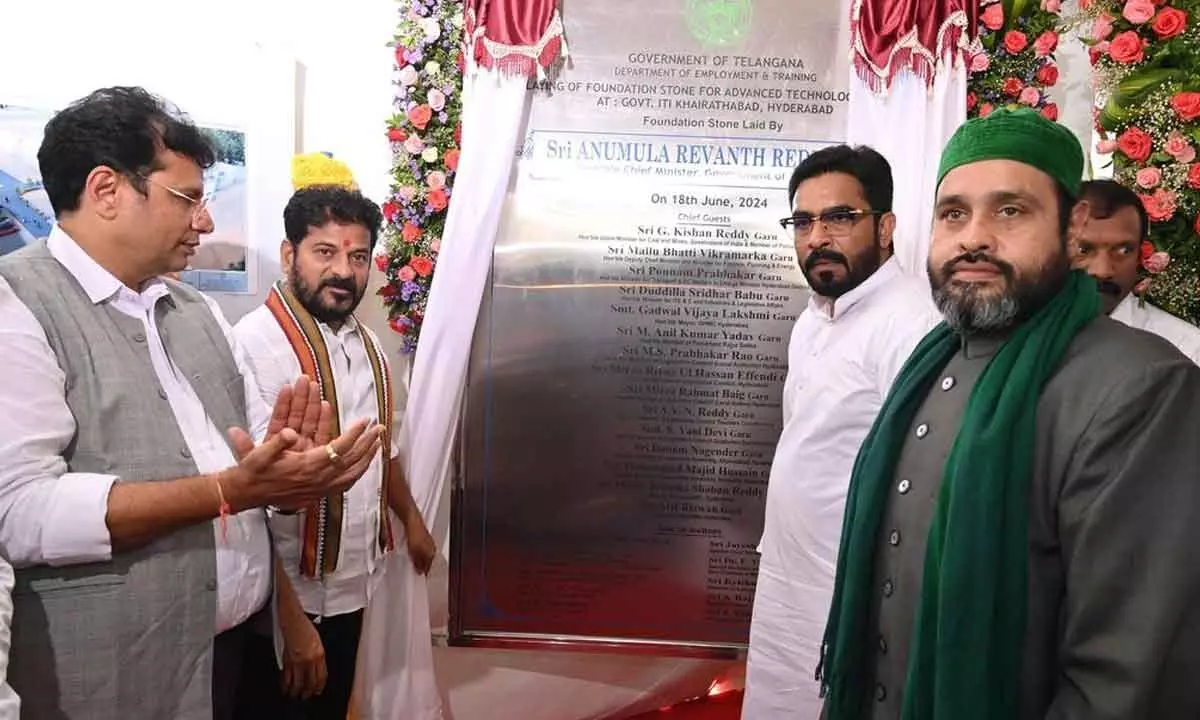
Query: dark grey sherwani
(1113, 626)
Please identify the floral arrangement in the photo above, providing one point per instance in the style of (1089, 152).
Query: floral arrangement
(1146, 70)
(1014, 59)
(425, 135)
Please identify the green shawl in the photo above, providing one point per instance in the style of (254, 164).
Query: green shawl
(965, 658)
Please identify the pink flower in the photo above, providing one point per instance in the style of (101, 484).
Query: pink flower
(1158, 262)
(408, 76)
(1085, 4)
(1029, 96)
(1138, 11)
(1179, 148)
(414, 144)
(406, 274)
(993, 17)
(1149, 177)
(980, 62)
(1104, 147)
(1142, 287)
(436, 100)
(1015, 41)
(1102, 27)
(436, 179)
(1045, 43)
(435, 245)
(1160, 206)
(1051, 6)
(406, 193)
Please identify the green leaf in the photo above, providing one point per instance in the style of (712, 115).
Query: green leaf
(1196, 134)
(1113, 115)
(1135, 86)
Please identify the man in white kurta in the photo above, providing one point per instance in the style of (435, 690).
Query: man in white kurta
(862, 321)
(1109, 249)
(307, 326)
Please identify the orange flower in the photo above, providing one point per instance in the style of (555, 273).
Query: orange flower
(422, 265)
(410, 232)
(451, 159)
(437, 199)
(419, 116)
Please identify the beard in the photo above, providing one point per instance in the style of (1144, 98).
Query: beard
(828, 285)
(978, 308)
(321, 309)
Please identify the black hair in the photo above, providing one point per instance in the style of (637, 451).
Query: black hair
(1106, 197)
(120, 127)
(319, 205)
(865, 164)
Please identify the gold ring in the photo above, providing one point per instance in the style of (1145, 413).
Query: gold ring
(334, 458)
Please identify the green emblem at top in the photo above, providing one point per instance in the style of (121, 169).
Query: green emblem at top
(718, 22)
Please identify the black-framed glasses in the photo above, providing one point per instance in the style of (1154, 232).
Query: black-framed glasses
(836, 223)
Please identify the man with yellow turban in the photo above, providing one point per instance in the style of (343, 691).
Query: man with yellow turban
(1021, 519)
(331, 551)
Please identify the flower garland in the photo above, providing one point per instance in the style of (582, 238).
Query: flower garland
(1145, 57)
(425, 134)
(1016, 65)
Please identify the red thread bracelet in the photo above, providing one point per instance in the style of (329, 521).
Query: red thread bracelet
(224, 510)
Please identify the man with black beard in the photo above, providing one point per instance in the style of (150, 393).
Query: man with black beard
(863, 319)
(329, 552)
(1109, 248)
(1022, 517)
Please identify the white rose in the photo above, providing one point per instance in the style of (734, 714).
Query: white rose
(430, 154)
(457, 20)
(431, 29)
(432, 68)
(408, 76)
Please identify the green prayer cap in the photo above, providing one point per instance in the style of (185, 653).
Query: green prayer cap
(1019, 134)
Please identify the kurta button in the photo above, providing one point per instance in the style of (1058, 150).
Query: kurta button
(162, 393)
(922, 430)
(186, 453)
(888, 588)
(947, 383)
(894, 538)
(903, 487)
(882, 645)
(138, 337)
(880, 693)
(211, 585)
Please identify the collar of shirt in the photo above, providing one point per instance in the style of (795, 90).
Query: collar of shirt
(832, 309)
(1124, 310)
(99, 284)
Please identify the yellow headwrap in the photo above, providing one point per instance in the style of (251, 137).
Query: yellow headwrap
(320, 169)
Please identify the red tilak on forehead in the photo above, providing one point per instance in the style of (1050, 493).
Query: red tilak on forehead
(345, 243)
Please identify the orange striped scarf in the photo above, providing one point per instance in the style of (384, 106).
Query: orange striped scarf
(322, 536)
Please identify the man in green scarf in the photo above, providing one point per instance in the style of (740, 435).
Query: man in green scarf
(1021, 519)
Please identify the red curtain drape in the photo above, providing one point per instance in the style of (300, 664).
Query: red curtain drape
(892, 35)
(517, 37)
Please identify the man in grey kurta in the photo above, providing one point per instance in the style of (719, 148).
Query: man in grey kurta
(1112, 622)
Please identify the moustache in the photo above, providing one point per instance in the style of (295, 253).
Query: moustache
(346, 284)
(1108, 287)
(978, 257)
(823, 255)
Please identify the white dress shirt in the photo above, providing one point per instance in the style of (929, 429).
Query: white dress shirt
(275, 364)
(1144, 316)
(842, 358)
(10, 704)
(51, 516)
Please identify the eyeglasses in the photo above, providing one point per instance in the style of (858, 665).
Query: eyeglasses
(199, 206)
(836, 223)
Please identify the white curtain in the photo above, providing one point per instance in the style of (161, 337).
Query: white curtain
(910, 126)
(396, 679)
